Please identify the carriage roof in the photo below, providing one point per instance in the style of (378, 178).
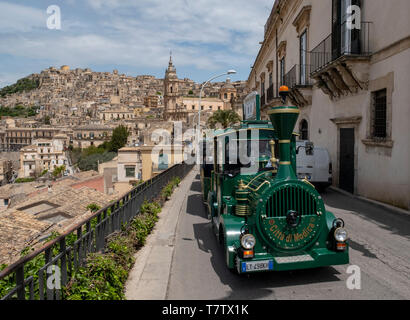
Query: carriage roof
(244, 126)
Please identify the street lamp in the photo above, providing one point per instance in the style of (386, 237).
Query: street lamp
(199, 109)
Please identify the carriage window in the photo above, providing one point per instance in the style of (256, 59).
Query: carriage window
(207, 153)
(262, 151)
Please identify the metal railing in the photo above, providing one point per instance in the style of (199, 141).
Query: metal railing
(299, 75)
(322, 54)
(68, 251)
(341, 43)
(263, 99)
(272, 93)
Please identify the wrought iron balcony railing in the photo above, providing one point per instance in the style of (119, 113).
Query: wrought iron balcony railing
(299, 75)
(343, 42)
(263, 99)
(272, 93)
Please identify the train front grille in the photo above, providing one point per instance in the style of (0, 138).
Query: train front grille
(291, 198)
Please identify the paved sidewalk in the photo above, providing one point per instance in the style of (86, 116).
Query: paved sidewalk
(149, 278)
(373, 202)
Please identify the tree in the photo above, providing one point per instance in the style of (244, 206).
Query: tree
(25, 84)
(91, 162)
(58, 171)
(119, 138)
(225, 118)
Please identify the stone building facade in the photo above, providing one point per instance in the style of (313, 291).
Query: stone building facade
(6, 170)
(351, 84)
(43, 154)
(18, 137)
(91, 135)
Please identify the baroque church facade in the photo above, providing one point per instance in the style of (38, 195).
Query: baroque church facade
(181, 97)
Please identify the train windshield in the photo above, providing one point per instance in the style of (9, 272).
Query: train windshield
(246, 153)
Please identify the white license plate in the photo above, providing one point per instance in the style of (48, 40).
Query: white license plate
(257, 266)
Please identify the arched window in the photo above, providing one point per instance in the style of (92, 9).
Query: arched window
(304, 130)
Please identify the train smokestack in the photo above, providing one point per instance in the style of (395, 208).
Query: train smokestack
(284, 119)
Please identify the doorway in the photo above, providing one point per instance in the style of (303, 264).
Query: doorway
(346, 154)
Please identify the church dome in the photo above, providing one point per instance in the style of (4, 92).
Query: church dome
(228, 85)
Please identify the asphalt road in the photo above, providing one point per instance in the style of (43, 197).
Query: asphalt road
(380, 247)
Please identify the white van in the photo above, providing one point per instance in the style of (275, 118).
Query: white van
(314, 164)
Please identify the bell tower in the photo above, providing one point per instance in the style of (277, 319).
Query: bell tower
(171, 89)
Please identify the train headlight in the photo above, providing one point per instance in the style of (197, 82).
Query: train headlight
(340, 235)
(248, 241)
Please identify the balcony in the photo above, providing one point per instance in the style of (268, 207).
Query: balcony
(270, 93)
(340, 63)
(263, 99)
(269, 99)
(300, 84)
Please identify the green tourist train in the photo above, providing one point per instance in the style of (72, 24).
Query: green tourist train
(264, 217)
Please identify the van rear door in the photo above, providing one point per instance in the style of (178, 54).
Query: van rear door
(304, 164)
(321, 165)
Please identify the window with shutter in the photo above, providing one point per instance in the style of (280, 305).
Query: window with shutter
(380, 114)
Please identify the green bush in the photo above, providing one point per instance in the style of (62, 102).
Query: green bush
(169, 189)
(93, 207)
(104, 276)
(122, 248)
(21, 85)
(91, 162)
(18, 111)
(101, 279)
(24, 180)
(176, 181)
(7, 283)
(58, 171)
(91, 150)
(153, 208)
(43, 173)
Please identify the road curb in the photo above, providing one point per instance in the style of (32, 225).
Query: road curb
(148, 280)
(388, 207)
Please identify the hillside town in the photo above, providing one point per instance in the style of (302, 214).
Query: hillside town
(80, 109)
(292, 183)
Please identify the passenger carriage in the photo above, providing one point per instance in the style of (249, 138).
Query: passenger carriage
(265, 218)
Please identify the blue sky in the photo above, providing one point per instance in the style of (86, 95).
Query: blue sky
(133, 36)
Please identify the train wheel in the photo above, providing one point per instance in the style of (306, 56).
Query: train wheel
(222, 241)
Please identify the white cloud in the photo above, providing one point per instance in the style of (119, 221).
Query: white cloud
(18, 18)
(203, 34)
(10, 78)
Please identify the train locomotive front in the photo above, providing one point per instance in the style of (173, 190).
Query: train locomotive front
(270, 220)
